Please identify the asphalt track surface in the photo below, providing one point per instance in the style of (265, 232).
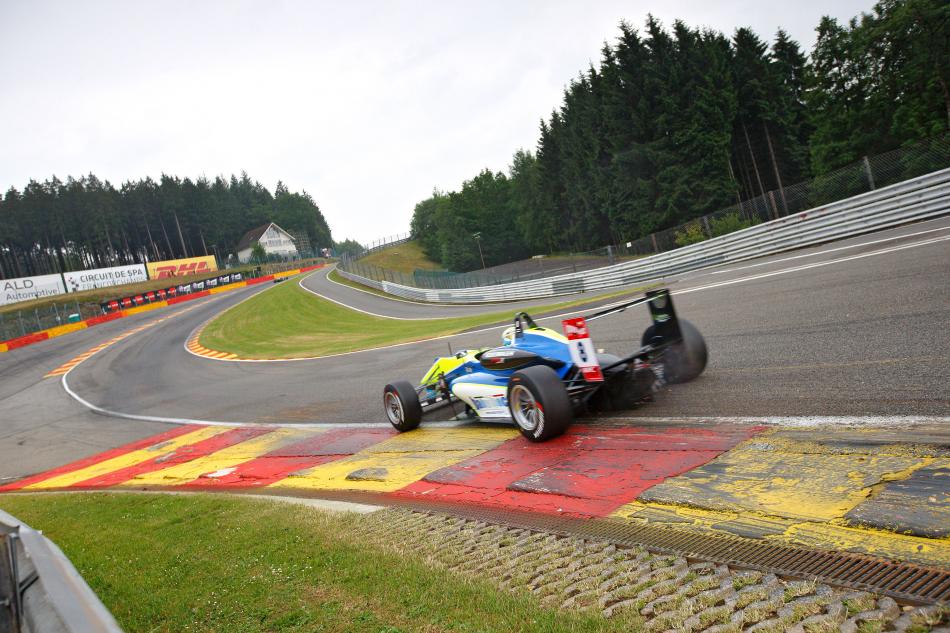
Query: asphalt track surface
(860, 327)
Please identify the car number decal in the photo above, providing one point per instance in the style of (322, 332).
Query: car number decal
(582, 349)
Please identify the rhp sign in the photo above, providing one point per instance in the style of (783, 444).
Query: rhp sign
(582, 349)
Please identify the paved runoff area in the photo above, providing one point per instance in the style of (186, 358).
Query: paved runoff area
(857, 490)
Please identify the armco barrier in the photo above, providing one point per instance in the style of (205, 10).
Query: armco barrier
(60, 330)
(916, 199)
(44, 592)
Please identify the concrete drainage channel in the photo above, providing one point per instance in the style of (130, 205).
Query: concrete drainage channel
(905, 581)
(674, 579)
(571, 564)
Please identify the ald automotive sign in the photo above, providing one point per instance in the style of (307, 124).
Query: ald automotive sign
(26, 288)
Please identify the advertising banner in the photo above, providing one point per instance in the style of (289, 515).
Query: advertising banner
(79, 280)
(180, 267)
(26, 288)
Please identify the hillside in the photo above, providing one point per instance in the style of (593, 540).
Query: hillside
(404, 258)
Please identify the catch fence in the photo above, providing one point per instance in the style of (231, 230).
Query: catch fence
(862, 176)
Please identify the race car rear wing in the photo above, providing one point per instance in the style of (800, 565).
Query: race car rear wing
(666, 326)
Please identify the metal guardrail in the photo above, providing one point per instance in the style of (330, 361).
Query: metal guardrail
(40, 590)
(912, 200)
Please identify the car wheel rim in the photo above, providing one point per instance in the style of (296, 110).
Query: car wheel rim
(525, 409)
(393, 408)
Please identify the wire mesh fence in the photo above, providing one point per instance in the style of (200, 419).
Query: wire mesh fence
(23, 322)
(866, 174)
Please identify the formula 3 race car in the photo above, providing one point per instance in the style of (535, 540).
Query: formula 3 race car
(540, 378)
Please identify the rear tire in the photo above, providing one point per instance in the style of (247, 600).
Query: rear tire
(686, 360)
(402, 405)
(539, 404)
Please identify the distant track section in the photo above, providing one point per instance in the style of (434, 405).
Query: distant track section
(913, 200)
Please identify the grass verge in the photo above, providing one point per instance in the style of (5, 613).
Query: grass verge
(289, 322)
(403, 258)
(213, 563)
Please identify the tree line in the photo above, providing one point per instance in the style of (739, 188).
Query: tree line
(55, 226)
(675, 124)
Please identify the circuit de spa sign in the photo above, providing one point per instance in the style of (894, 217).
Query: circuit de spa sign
(80, 280)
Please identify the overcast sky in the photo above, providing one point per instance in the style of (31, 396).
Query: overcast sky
(366, 105)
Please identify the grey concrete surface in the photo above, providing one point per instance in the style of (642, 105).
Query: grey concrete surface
(41, 427)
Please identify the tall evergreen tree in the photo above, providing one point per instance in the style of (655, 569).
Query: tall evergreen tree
(57, 226)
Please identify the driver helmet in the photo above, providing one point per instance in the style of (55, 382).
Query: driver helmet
(508, 336)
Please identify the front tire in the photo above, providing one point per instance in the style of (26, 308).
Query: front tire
(402, 405)
(539, 404)
(686, 360)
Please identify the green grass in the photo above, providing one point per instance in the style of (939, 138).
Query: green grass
(170, 563)
(403, 258)
(334, 275)
(289, 322)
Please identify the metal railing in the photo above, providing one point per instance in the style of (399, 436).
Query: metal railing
(40, 590)
(908, 201)
(382, 243)
(861, 176)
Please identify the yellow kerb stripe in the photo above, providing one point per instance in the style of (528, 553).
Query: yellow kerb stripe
(399, 461)
(59, 330)
(146, 307)
(224, 459)
(129, 459)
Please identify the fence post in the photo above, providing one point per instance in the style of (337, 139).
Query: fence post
(706, 224)
(19, 316)
(774, 206)
(870, 174)
(656, 249)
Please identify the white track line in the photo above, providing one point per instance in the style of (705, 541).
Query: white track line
(428, 304)
(799, 421)
(795, 269)
(303, 425)
(780, 420)
(828, 250)
(714, 272)
(574, 312)
(501, 306)
(366, 312)
(789, 421)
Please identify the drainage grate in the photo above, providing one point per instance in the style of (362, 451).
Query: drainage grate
(916, 584)
(906, 581)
